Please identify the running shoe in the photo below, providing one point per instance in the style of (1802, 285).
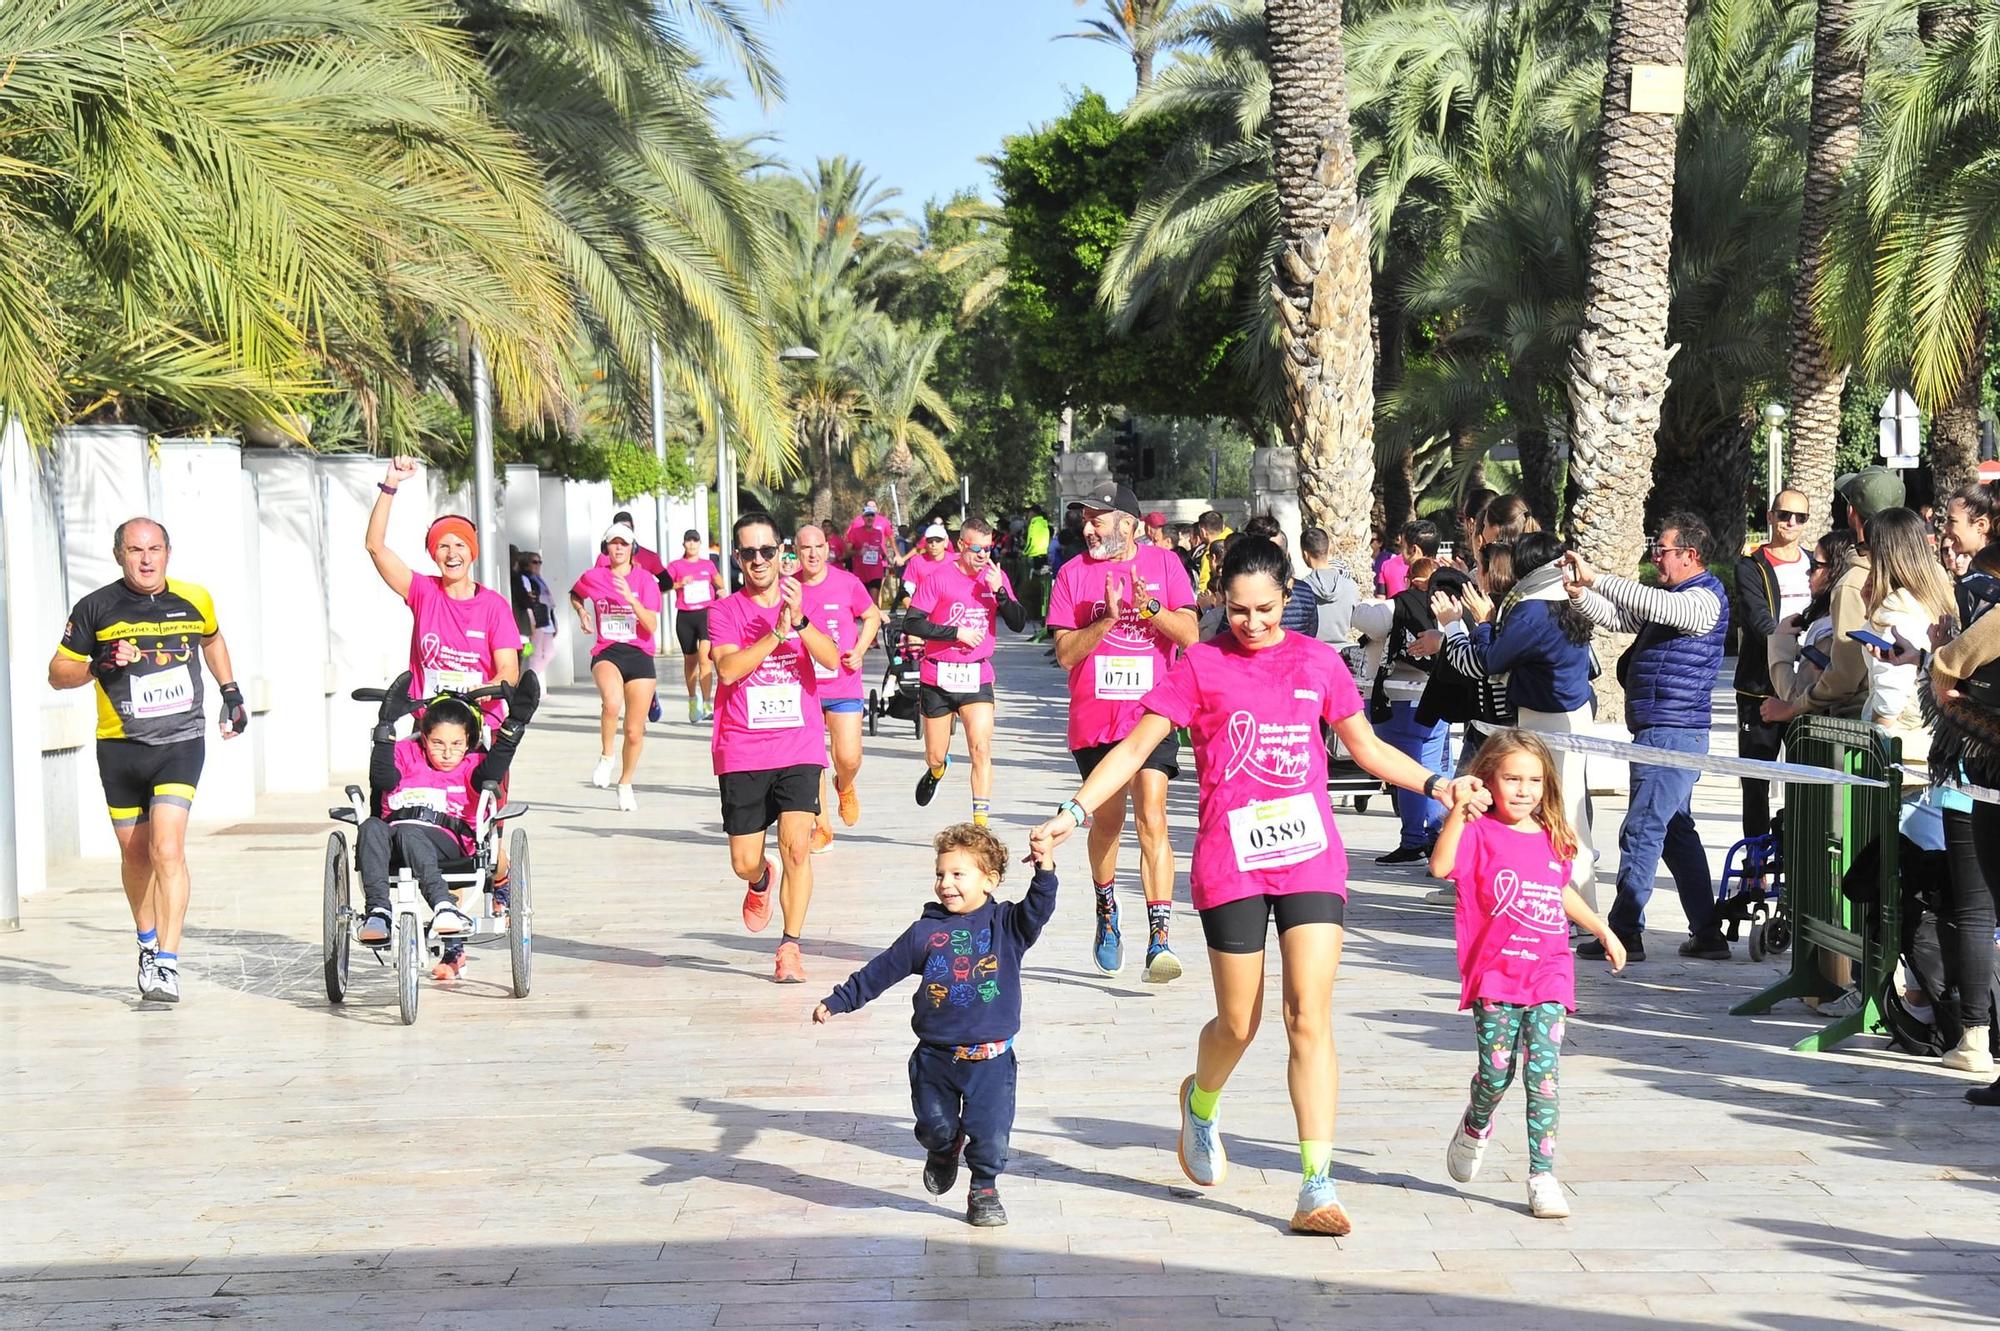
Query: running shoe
(694, 710)
(148, 963)
(927, 784)
(1545, 1198)
(1107, 949)
(1467, 1150)
(501, 899)
(1319, 1210)
(653, 711)
(601, 775)
(1203, 1159)
(850, 806)
(757, 901)
(374, 929)
(627, 801)
(450, 964)
(1705, 947)
(166, 984)
(1404, 855)
(1442, 896)
(983, 1209)
(1162, 966)
(822, 838)
(789, 968)
(1970, 1054)
(941, 1168)
(448, 921)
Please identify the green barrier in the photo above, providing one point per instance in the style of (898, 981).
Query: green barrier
(1827, 828)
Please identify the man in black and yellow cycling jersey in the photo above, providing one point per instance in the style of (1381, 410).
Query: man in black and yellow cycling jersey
(136, 640)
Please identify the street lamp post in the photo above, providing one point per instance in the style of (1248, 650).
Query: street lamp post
(1774, 472)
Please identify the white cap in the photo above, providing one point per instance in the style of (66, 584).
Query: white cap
(618, 531)
(936, 532)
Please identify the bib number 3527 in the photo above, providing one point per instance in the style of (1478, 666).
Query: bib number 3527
(774, 706)
(1271, 834)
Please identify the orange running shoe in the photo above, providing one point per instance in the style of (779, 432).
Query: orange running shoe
(449, 965)
(789, 970)
(850, 806)
(822, 838)
(757, 905)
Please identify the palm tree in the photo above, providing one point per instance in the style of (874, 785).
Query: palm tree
(1618, 368)
(1140, 28)
(900, 440)
(1322, 283)
(1817, 376)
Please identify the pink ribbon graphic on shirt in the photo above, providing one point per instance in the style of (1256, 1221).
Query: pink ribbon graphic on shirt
(1542, 912)
(1280, 766)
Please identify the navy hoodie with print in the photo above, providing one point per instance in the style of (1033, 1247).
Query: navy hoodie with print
(969, 991)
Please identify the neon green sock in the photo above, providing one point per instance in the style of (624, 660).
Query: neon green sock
(1314, 1157)
(1202, 1103)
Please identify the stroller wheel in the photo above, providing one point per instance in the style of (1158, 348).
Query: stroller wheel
(874, 710)
(1361, 804)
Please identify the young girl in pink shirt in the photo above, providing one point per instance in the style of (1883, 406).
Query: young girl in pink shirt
(1515, 902)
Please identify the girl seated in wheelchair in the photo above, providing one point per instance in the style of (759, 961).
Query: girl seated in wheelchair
(427, 798)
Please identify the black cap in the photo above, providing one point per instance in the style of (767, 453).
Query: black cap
(1109, 498)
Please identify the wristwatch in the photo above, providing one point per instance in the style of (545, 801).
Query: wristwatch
(1073, 809)
(1430, 786)
(1151, 608)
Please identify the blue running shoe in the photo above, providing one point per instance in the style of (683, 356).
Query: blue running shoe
(1202, 1158)
(653, 712)
(1319, 1210)
(1107, 950)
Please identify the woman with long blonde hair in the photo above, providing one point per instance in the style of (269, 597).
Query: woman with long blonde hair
(1906, 594)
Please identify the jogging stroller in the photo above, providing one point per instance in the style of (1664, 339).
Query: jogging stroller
(896, 696)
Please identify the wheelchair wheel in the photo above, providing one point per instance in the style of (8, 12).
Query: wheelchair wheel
(520, 913)
(1777, 936)
(335, 936)
(409, 965)
(1757, 941)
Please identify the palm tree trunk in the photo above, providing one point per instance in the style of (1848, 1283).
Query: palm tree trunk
(1618, 368)
(1955, 429)
(820, 503)
(1816, 379)
(1541, 476)
(1322, 281)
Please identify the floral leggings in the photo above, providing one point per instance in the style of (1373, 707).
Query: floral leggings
(1507, 1032)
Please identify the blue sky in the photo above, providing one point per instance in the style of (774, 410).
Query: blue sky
(919, 90)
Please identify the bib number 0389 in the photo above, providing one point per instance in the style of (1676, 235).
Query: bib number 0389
(1271, 834)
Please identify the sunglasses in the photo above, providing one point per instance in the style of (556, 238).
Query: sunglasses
(755, 554)
(1786, 515)
(1659, 549)
(975, 549)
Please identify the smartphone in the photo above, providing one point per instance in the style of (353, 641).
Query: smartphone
(1818, 658)
(1866, 638)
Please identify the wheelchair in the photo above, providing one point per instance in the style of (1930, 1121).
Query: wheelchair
(411, 949)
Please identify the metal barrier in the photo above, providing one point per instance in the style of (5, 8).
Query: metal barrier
(1827, 829)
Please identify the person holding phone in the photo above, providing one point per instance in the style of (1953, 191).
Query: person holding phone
(1796, 653)
(1906, 594)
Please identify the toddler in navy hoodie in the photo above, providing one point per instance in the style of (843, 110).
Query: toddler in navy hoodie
(966, 951)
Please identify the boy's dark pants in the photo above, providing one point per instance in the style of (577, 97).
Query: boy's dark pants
(953, 1095)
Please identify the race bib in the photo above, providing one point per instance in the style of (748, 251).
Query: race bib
(1124, 677)
(618, 625)
(419, 797)
(774, 706)
(871, 555)
(958, 676)
(450, 681)
(1270, 834)
(696, 593)
(166, 693)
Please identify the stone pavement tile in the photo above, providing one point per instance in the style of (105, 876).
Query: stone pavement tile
(691, 1317)
(792, 1292)
(1657, 1260)
(526, 1253)
(473, 1298)
(245, 1263)
(375, 1280)
(23, 1293)
(933, 1315)
(300, 1309)
(666, 1271)
(1519, 1260)
(1753, 1312)
(107, 1267)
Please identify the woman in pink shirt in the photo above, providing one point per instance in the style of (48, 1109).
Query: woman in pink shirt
(1515, 903)
(624, 605)
(1256, 699)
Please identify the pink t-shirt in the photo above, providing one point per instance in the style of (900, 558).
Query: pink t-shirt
(704, 582)
(421, 786)
(452, 642)
(770, 718)
(1106, 687)
(949, 596)
(836, 605)
(1395, 575)
(1513, 934)
(1265, 825)
(919, 567)
(617, 622)
(870, 543)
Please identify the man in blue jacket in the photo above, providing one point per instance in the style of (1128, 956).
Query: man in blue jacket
(1668, 675)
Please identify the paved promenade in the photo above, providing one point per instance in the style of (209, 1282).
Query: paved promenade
(658, 1137)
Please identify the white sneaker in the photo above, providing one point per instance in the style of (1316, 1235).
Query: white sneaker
(1442, 896)
(166, 985)
(148, 967)
(1972, 1054)
(448, 921)
(601, 777)
(1463, 1157)
(627, 801)
(1545, 1198)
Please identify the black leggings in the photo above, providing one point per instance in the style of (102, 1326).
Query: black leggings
(423, 849)
(1972, 841)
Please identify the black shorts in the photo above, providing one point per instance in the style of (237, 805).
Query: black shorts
(752, 801)
(631, 662)
(1241, 926)
(137, 776)
(1165, 757)
(691, 627)
(934, 701)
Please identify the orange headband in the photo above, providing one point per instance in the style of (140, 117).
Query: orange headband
(451, 524)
